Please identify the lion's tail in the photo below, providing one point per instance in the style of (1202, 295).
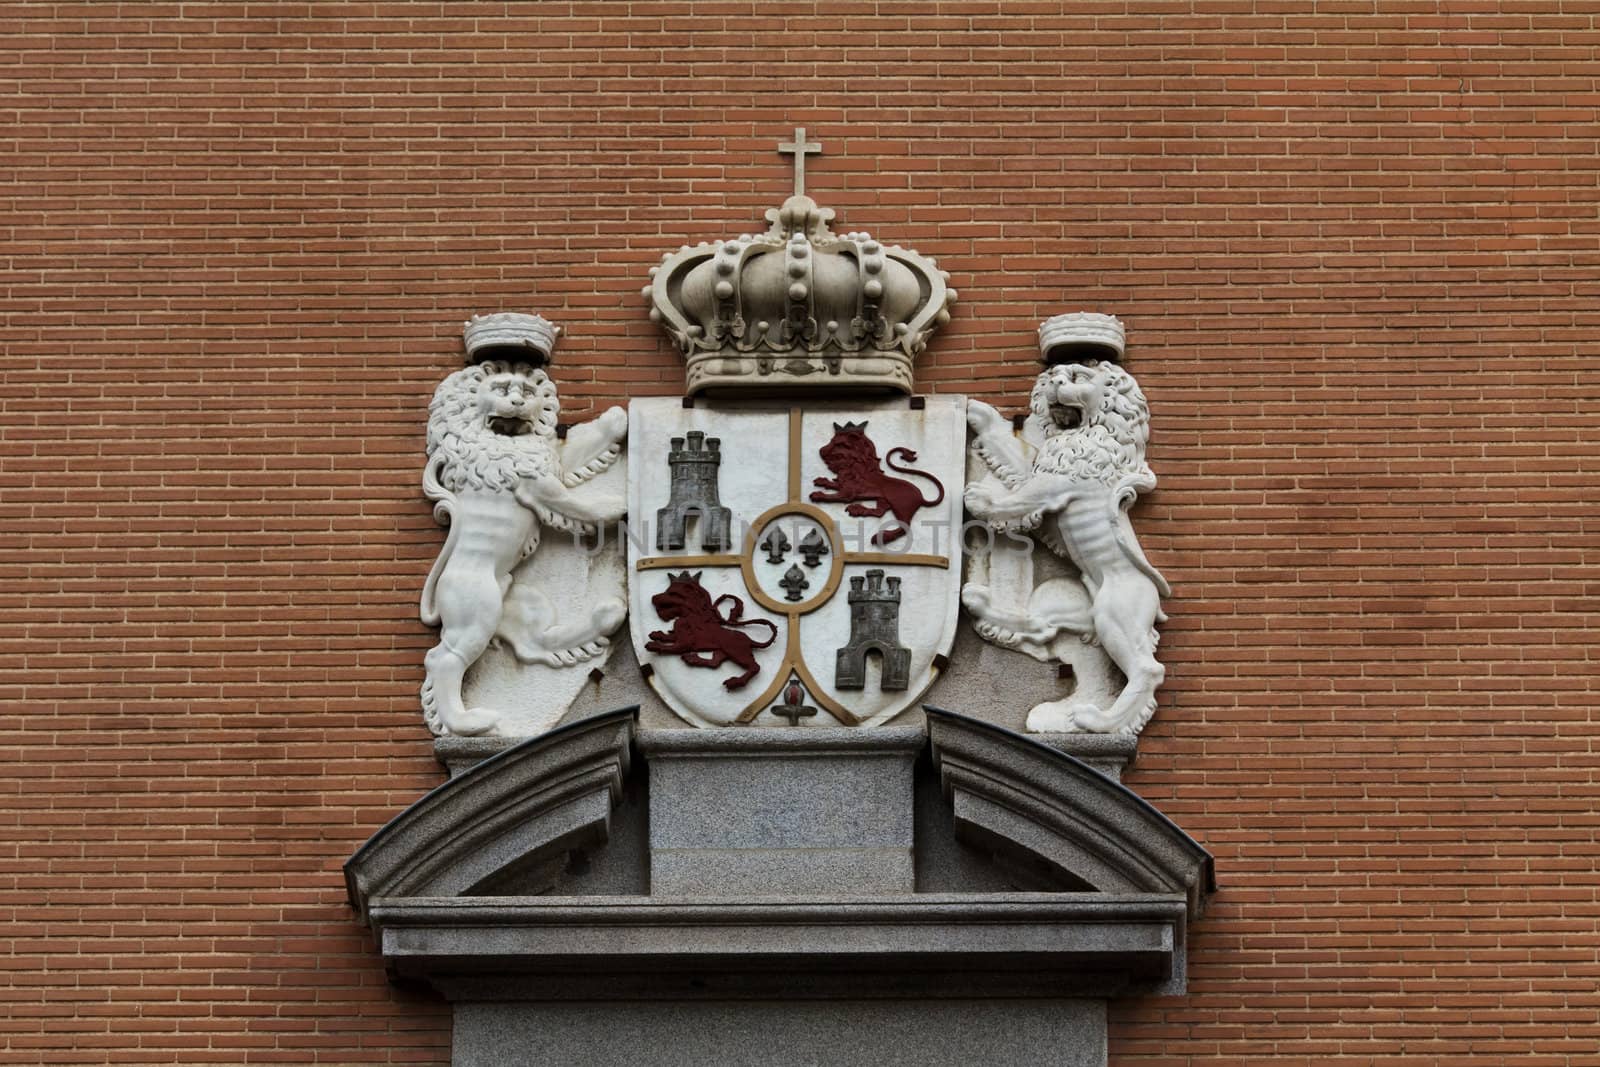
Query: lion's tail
(444, 513)
(910, 457)
(1122, 499)
(732, 619)
(771, 637)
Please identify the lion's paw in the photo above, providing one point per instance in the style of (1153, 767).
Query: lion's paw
(976, 598)
(1087, 718)
(983, 418)
(990, 632)
(614, 421)
(608, 615)
(1051, 717)
(979, 499)
(584, 652)
(473, 722)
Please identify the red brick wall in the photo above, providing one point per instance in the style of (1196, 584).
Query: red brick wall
(1357, 249)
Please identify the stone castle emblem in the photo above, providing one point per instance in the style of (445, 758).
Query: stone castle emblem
(790, 540)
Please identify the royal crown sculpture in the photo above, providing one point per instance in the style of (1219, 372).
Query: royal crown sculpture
(799, 307)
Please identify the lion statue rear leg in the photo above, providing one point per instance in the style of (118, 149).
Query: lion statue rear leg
(530, 627)
(1056, 626)
(446, 669)
(1125, 613)
(469, 611)
(1094, 686)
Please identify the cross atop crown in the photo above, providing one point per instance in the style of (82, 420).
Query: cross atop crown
(798, 306)
(800, 148)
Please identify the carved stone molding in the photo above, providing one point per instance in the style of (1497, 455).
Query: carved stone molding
(478, 946)
(1013, 793)
(535, 800)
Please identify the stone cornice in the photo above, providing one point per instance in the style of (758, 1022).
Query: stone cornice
(1124, 940)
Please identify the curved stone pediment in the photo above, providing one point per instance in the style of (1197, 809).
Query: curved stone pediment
(1011, 793)
(533, 801)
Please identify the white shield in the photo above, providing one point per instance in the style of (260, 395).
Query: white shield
(794, 566)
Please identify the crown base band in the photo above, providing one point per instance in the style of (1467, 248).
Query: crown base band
(788, 373)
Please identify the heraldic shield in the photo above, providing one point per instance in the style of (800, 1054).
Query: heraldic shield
(794, 566)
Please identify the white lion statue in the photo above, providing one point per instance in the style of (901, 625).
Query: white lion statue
(497, 475)
(1071, 478)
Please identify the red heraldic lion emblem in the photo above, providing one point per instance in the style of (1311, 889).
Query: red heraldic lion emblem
(859, 481)
(701, 634)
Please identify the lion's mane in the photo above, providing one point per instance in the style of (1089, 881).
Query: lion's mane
(853, 458)
(465, 453)
(1109, 447)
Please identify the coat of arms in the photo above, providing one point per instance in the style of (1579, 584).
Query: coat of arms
(795, 566)
(793, 523)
